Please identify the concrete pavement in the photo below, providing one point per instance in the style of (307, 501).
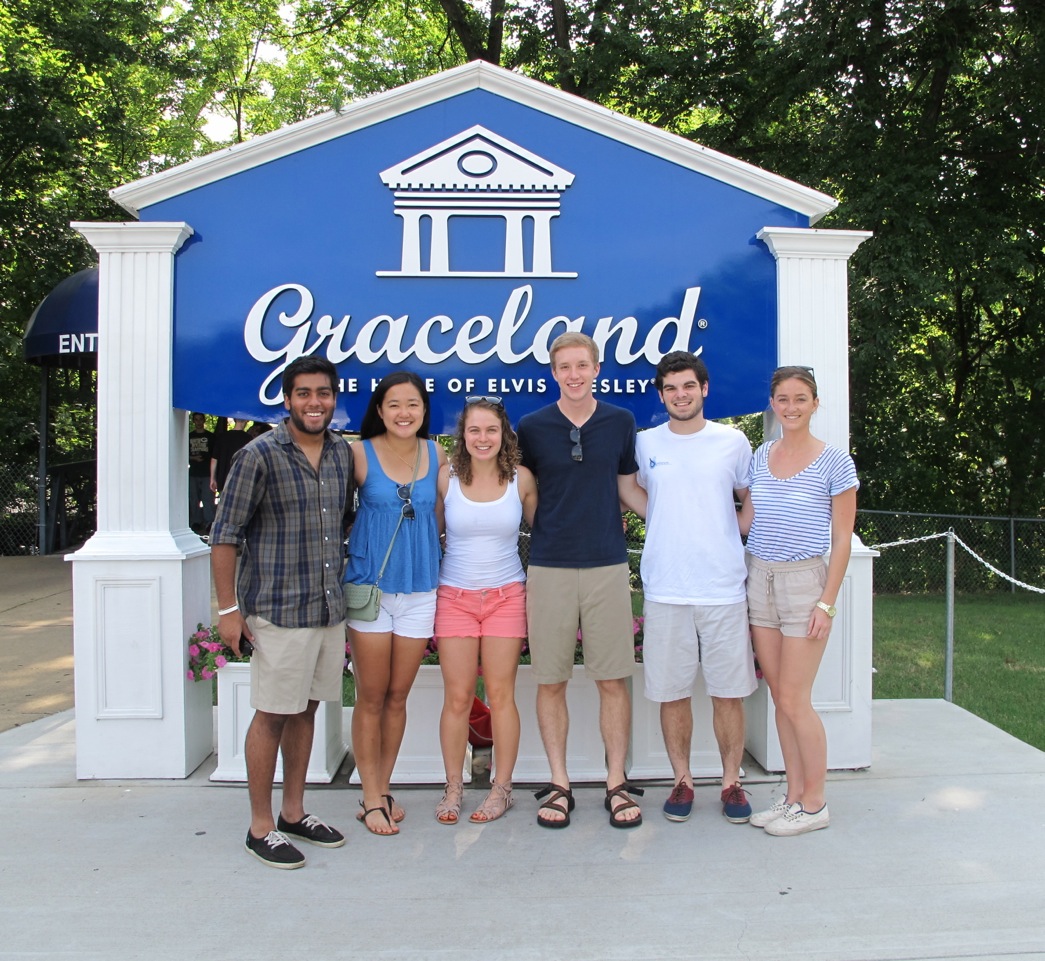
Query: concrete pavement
(934, 853)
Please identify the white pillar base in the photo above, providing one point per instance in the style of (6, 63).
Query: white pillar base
(138, 715)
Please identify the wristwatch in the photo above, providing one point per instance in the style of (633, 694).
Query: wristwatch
(829, 609)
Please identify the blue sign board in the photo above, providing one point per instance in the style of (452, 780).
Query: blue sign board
(457, 239)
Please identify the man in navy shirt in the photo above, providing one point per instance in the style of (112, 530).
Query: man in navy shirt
(579, 448)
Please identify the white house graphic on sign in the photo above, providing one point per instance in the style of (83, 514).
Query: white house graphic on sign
(476, 174)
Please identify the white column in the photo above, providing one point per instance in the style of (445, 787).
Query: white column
(142, 582)
(813, 315)
(542, 241)
(439, 261)
(514, 263)
(411, 261)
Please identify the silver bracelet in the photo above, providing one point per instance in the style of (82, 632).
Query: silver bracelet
(228, 610)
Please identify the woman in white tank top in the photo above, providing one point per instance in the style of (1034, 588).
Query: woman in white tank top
(481, 601)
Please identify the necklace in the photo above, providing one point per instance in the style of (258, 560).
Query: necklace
(411, 464)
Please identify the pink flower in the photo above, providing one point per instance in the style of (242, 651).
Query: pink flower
(220, 661)
(190, 675)
(207, 673)
(194, 650)
(202, 635)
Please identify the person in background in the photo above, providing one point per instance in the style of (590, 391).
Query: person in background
(226, 444)
(201, 497)
(480, 612)
(804, 496)
(396, 470)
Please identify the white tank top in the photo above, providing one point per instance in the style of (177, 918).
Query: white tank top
(482, 540)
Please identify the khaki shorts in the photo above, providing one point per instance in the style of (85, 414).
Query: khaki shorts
(594, 600)
(782, 594)
(294, 665)
(679, 639)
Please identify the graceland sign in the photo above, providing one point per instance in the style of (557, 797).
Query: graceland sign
(455, 227)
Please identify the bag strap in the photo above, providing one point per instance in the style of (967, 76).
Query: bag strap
(391, 544)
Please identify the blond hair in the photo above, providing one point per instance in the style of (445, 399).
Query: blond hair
(573, 338)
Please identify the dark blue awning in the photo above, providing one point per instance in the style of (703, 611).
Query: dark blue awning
(63, 330)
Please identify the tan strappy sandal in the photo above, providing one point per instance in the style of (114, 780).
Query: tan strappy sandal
(494, 805)
(448, 810)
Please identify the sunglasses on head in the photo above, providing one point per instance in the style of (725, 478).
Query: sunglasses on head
(403, 490)
(491, 399)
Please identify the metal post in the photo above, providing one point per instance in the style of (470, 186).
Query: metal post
(1012, 553)
(948, 681)
(41, 478)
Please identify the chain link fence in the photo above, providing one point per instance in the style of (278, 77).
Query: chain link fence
(19, 514)
(1014, 545)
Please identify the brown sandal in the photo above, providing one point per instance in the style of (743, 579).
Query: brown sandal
(448, 810)
(494, 805)
(555, 793)
(391, 805)
(622, 791)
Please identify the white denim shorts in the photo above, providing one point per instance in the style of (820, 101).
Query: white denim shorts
(405, 615)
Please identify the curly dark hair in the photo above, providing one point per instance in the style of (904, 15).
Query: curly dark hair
(508, 457)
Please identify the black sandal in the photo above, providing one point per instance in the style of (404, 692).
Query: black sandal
(361, 818)
(622, 791)
(556, 793)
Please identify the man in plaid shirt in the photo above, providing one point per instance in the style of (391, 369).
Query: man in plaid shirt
(282, 510)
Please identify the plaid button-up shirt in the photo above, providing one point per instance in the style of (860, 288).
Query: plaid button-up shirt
(289, 521)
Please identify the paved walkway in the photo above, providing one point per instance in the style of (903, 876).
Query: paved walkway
(36, 638)
(934, 853)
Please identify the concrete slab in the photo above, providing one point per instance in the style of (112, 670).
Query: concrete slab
(932, 854)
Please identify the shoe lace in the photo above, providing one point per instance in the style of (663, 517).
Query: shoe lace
(734, 794)
(274, 839)
(678, 793)
(312, 822)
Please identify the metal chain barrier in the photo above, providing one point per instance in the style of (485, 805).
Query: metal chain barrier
(968, 550)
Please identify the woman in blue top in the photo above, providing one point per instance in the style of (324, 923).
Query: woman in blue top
(804, 497)
(396, 469)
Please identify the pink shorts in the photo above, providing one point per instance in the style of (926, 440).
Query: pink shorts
(494, 612)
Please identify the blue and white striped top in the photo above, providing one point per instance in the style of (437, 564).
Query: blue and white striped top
(793, 517)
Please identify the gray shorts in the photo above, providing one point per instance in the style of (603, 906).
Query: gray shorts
(294, 665)
(782, 594)
(680, 639)
(594, 600)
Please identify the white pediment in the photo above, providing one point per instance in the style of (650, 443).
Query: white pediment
(477, 75)
(477, 159)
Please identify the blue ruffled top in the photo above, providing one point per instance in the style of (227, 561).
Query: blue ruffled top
(414, 565)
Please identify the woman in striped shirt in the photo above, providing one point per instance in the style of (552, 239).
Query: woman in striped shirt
(804, 495)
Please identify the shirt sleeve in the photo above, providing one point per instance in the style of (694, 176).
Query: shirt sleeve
(628, 464)
(244, 489)
(843, 473)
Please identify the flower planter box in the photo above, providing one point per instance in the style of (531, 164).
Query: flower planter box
(585, 753)
(649, 758)
(420, 758)
(235, 714)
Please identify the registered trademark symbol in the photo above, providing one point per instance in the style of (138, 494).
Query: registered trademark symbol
(702, 323)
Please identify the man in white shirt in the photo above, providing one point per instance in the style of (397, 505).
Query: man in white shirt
(691, 470)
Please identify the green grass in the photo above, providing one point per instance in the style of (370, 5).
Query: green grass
(999, 655)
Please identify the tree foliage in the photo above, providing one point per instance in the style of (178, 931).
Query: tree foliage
(924, 117)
